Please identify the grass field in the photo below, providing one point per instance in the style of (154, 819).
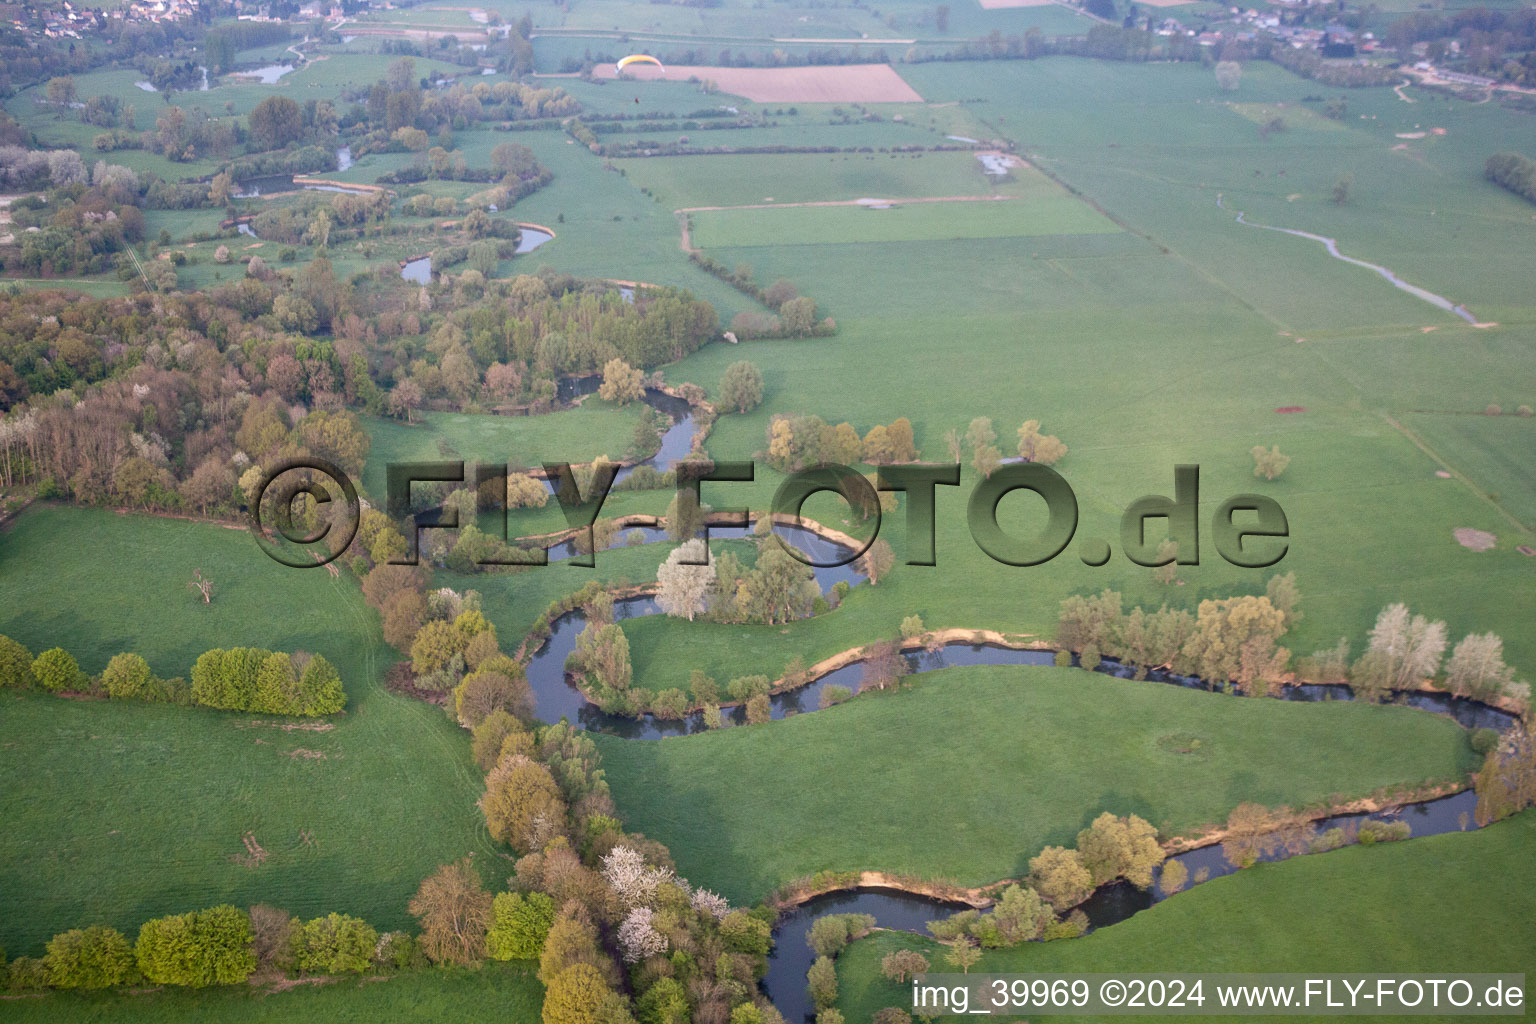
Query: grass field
(1175, 342)
(975, 770)
(576, 435)
(1400, 908)
(919, 222)
(805, 177)
(1494, 451)
(117, 812)
(505, 991)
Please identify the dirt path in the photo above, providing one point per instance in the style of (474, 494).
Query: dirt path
(1399, 90)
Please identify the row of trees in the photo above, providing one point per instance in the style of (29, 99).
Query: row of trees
(798, 441)
(1231, 640)
(1515, 172)
(268, 682)
(225, 945)
(240, 679)
(597, 906)
(1405, 650)
(1236, 641)
(986, 457)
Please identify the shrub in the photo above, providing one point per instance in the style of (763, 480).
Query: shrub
(831, 932)
(758, 709)
(95, 957)
(521, 925)
(1063, 659)
(1173, 877)
(15, 665)
(821, 979)
(56, 670)
(397, 950)
(670, 704)
(1069, 927)
(1329, 840)
(26, 975)
(1485, 741)
(197, 949)
(833, 694)
(744, 687)
(1383, 831)
(912, 627)
(127, 676)
(334, 944)
(1089, 658)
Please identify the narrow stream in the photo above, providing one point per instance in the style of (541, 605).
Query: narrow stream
(1332, 246)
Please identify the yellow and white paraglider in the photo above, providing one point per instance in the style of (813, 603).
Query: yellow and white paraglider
(637, 58)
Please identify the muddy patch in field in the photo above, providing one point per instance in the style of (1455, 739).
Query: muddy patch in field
(1474, 540)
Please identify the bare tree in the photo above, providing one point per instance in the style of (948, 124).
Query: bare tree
(202, 585)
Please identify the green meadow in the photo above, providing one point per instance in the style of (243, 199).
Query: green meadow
(506, 991)
(970, 772)
(852, 225)
(118, 811)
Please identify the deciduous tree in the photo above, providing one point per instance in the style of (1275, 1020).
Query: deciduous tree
(741, 387)
(454, 911)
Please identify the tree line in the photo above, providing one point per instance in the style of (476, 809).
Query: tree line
(1513, 171)
(238, 679)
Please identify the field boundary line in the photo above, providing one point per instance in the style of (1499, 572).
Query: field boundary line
(1419, 443)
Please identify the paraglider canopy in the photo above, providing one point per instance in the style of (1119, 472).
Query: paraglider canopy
(637, 58)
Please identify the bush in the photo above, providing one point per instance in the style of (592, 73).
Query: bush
(127, 676)
(334, 944)
(521, 925)
(833, 694)
(1329, 840)
(1089, 658)
(670, 704)
(56, 670)
(1383, 831)
(397, 950)
(1069, 927)
(15, 665)
(758, 710)
(26, 975)
(197, 949)
(1485, 741)
(95, 957)
(1063, 659)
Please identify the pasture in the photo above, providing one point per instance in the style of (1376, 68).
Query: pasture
(705, 181)
(844, 83)
(117, 811)
(1176, 341)
(1396, 908)
(508, 991)
(970, 772)
(576, 435)
(904, 222)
